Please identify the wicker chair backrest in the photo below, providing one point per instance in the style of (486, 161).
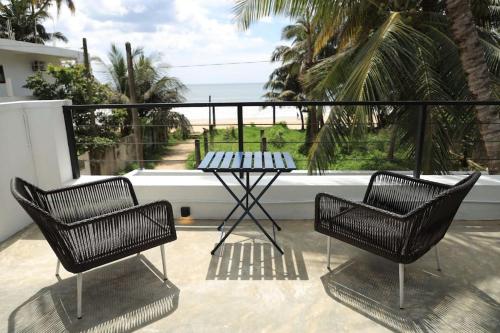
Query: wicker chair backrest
(34, 201)
(400, 195)
(436, 216)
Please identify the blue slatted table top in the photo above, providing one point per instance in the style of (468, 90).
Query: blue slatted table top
(247, 162)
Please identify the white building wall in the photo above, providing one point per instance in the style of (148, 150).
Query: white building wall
(17, 67)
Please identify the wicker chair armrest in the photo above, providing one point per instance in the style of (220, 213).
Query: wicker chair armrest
(345, 206)
(118, 233)
(161, 209)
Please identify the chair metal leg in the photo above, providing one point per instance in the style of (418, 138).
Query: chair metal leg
(401, 285)
(329, 247)
(162, 248)
(438, 262)
(79, 278)
(58, 265)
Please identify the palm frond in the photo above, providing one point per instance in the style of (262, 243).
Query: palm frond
(249, 11)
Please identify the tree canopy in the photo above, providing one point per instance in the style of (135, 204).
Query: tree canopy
(383, 51)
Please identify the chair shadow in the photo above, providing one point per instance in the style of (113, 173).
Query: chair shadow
(257, 261)
(433, 301)
(120, 297)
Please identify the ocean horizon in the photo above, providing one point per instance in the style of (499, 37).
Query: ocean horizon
(232, 92)
(225, 92)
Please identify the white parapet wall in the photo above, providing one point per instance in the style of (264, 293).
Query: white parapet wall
(33, 146)
(291, 197)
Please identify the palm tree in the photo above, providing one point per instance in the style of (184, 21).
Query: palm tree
(24, 21)
(283, 83)
(386, 50)
(472, 56)
(152, 85)
(286, 82)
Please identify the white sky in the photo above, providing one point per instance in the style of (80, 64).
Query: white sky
(183, 32)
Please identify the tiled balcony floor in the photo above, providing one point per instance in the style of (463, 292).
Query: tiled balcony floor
(251, 289)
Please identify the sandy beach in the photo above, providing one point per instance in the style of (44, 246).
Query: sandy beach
(227, 117)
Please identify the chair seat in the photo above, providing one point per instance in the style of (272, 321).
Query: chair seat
(109, 244)
(364, 229)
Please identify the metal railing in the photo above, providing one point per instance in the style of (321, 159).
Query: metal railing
(421, 106)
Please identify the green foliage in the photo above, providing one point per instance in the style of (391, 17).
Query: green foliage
(276, 136)
(370, 154)
(375, 51)
(25, 17)
(251, 135)
(71, 82)
(153, 85)
(68, 82)
(229, 134)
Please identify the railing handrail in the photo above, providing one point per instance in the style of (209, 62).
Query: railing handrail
(422, 116)
(279, 104)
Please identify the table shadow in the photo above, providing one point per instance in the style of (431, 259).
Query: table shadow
(257, 261)
(120, 297)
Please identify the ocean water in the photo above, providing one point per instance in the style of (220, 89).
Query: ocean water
(234, 92)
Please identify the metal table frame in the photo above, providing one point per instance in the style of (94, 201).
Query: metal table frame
(243, 164)
(247, 206)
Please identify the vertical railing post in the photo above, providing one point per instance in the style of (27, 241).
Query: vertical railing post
(205, 141)
(274, 114)
(240, 128)
(240, 132)
(419, 145)
(213, 116)
(197, 153)
(70, 135)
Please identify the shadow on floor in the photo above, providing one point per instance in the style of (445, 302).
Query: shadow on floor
(434, 301)
(257, 261)
(120, 297)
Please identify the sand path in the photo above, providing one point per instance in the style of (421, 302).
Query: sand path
(177, 156)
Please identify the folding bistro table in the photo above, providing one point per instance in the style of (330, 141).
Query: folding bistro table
(245, 163)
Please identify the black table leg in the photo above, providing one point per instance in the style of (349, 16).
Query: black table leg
(258, 203)
(247, 209)
(236, 207)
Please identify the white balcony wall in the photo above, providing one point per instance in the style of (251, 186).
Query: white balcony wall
(33, 146)
(291, 197)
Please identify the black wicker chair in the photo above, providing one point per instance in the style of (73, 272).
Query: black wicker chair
(400, 218)
(93, 224)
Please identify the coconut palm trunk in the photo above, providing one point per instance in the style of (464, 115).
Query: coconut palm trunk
(466, 37)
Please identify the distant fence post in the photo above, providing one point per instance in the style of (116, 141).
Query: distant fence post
(422, 118)
(209, 111)
(197, 153)
(263, 144)
(205, 141)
